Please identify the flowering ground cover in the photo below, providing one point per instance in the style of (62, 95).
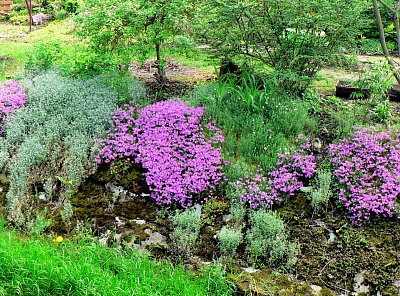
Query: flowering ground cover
(173, 142)
(367, 168)
(12, 98)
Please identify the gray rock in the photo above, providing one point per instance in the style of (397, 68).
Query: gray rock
(116, 191)
(154, 238)
(139, 222)
(358, 284)
(332, 237)
(227, 218)
(316, 289)
(119, 222)
(103, 241)
(198, 209)
(42, 196)
(250, 269)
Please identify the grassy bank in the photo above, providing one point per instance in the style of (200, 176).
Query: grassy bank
(41, 267)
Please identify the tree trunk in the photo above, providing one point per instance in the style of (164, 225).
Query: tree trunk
(397, 26)
(160, 67)
(383, 40)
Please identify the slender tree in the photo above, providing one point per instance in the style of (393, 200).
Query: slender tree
(383, 39)
(124, 28)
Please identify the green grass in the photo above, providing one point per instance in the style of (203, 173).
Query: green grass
(19, 44)
(38, 267)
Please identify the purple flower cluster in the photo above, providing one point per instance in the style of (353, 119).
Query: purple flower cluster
(368, 172)
(169, 140)
(253, 190)
(12, 98)
(39, 19)
(292, 170)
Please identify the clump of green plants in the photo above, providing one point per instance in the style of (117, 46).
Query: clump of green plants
(213, 209)
(229, 240)
(268, 239)
(376, 82)
(38, 225)
(257, 121)
(53, 137)
(187, 225)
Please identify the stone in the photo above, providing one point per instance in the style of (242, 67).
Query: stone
(119, 222)
(42, 196)
(155, 238)
(358, 284)
(227, 218)
(316, 289)
(332, 237)
(116, 191)
(139, 222)
(250, 269)
(198, 209)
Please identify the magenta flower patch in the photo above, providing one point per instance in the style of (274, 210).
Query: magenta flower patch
(292, 170)
(287, 179)
(368, 172)
(169, 140)
(12, 98)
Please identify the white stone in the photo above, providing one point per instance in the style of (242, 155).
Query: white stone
(250, 269)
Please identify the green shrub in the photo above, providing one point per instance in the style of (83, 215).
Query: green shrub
(373, 46)
(53, 136)
(268, 239)
(187, 225)
(229, 240)
(127, 87)
(19, 20)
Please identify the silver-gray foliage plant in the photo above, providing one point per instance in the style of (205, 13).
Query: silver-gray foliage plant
(187, 225)
(268, 238)
(54, 136)
(229, 240)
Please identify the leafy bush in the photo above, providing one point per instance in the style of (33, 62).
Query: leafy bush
(373, 46)
(296, 38)
(367, 169)
(267, 238)
(53, 136)
(12, 98)
(187, 225)
(237, 212)
(168, 139)
(229, 240)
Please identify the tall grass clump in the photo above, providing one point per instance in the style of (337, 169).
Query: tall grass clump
(257, 122)
(39, 267)
(53, 137)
